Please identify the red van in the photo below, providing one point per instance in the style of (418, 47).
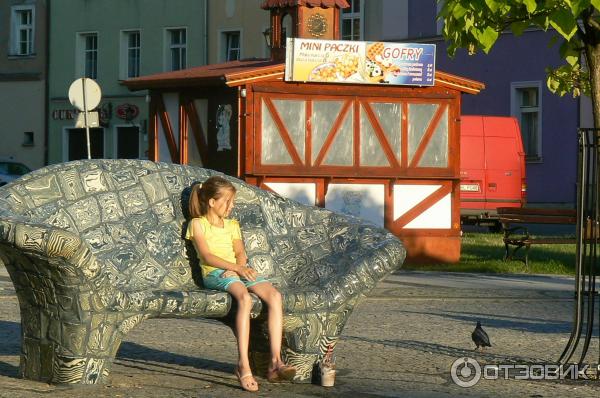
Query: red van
(492, 168)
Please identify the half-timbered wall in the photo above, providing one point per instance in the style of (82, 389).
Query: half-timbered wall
(187, 129)
(171, 109)
(389, 159)
(352, 136)
(405, 206)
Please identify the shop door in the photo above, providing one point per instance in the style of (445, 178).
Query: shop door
(77, 144)
(128, 142)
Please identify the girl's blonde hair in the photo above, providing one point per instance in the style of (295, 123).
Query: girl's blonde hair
(201, 193)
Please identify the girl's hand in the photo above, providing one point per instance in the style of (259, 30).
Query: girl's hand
(228, 274)
(246, 272)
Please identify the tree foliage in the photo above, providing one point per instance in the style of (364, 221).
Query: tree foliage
(477, 25)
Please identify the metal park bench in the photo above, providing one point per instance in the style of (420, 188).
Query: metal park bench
(518, 236)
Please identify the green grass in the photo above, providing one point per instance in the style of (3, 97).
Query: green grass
(484, 252)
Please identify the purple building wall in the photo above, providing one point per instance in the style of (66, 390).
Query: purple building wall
(514, 59)
(553, 179)
(422, 18)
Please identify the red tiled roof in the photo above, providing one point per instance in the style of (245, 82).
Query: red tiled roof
(204, 75)
(268, 4)
(236, 73)
(458, 82)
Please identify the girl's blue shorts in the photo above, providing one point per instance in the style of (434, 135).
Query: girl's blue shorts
(215, 281)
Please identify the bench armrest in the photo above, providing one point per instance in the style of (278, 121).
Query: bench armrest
(64, 251)
(366, 271)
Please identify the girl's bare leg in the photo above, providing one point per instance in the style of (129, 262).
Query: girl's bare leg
(242, 324)
(270, 295)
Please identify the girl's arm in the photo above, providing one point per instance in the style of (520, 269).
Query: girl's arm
(240, 252)
(242, 260)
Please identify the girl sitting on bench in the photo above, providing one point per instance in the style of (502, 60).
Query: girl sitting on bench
(218, 242)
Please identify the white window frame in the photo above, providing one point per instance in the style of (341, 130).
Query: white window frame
(16, 28)
(516, 111)
(354, 15)
(124, 53)
(80, 53)
(141, 147)
(224, 35)
(168, 47)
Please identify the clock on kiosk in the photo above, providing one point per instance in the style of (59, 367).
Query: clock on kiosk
(317, 23)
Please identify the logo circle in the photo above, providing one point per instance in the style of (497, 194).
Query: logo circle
(465, 372)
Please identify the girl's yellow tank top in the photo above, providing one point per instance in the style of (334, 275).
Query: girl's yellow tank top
(219, 240)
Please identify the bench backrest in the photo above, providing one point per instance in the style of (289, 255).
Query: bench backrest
(132, 214)
(537, 215)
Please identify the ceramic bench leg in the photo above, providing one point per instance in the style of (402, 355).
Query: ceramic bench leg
(63, 340)
(64, 353)
(306, 360)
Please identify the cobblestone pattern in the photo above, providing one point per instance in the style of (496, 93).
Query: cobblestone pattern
(95, 247)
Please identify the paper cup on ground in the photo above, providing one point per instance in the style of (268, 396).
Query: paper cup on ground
(327, 376)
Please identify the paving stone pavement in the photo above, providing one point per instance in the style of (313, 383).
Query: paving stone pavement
(401, 341)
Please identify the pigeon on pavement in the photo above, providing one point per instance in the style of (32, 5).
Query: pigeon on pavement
(480, 337)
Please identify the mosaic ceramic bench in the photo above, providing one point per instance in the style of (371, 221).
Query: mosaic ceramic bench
(95, 247)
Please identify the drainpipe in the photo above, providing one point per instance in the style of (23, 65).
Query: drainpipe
(47, 84)
(206, 32)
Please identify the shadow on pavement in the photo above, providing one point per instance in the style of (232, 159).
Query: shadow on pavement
(502, 322)
(136, 356)
(11, 336)
(440, 349)
(9, 370)
(134, 352)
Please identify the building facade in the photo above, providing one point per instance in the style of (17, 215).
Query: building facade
(111, 41)
(23, 58)
(238, 27)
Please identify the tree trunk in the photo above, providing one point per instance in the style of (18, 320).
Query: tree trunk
(592, 54)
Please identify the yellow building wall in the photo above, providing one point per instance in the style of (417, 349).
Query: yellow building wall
(244, 16)
(22, 110)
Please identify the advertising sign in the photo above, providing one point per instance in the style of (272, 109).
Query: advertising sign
(359, 62)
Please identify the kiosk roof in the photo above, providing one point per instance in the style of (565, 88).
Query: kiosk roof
(240, 72)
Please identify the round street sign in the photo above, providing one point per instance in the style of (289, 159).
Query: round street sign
(85, 94)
